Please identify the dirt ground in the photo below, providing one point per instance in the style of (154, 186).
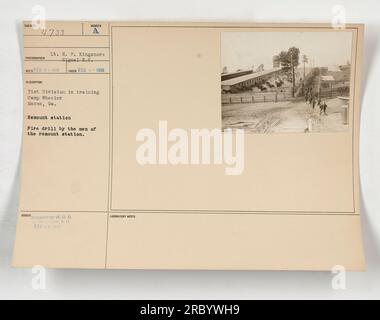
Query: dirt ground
(286, 116)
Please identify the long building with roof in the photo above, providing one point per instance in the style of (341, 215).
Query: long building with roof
(249, 79)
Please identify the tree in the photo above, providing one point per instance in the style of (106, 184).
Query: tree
(305, 60)
(289, 60)
(311, 77)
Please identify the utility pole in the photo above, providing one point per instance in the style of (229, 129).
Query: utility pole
(304, 60)
(293, 74)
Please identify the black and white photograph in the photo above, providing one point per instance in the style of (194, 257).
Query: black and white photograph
(286, 81)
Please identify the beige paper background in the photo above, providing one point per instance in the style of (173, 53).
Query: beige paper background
(181, 66)
(191, 216)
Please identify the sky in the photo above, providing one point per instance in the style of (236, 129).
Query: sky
(241, 50)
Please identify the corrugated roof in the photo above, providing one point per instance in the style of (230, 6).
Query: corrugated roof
(327, 78)
(233, 81)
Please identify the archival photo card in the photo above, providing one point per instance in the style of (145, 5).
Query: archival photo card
(286, 81)
(124, 165)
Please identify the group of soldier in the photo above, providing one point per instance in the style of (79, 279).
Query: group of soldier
(314, 99)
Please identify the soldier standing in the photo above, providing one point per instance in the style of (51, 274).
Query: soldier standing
(324, 108)
(314, 102)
